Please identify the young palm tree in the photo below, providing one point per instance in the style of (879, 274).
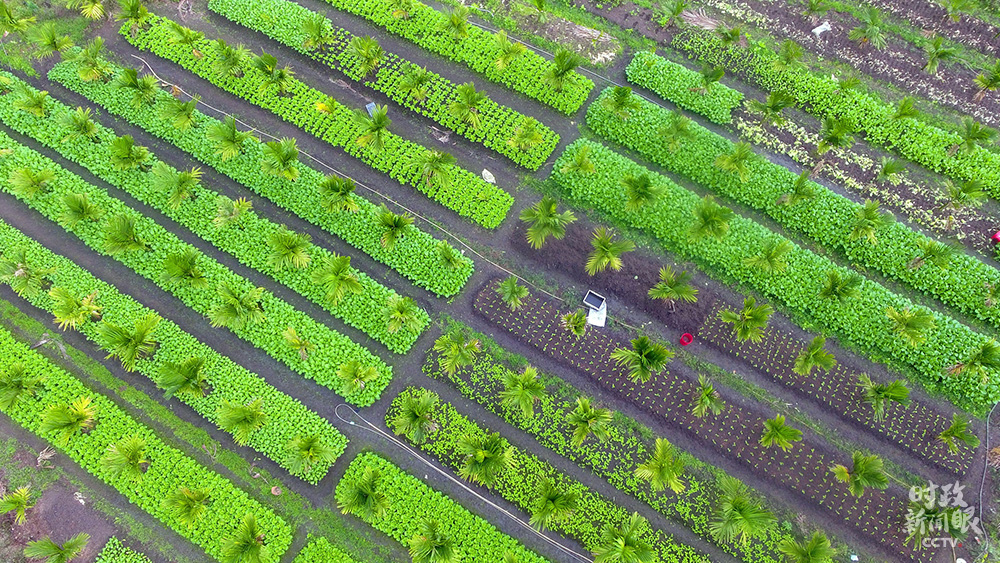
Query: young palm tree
(230, 60)
(47, 41)
(241, 420)
(288, 249)
(969, 194)
(983, 360)
(487, 456)
(906, 109)
(368, 53)
(640, 191)
(28, 183)
(670, 12)
(394, 226)
(814, 356)
(729, 36)
(52, 552)
(16, 384)
(770, 110)
(987, 81)
(512, 293)
(802, 190)
(663, 469)
(227, 139)
(24, 277)
(93, 66)
(507, 51)
(280, 158)
(553, 504)
(625, 545)
(187, 505)
(911, 324)
(586, 420)
(522, 390)
(737, 160)
(889, 169)
(70, 311)
(870, 31)
(933, 252)
(971, 135)
(750, 322)
(414, 418)
(643, 359)
(18, 502)
(434, 166)
(238, 308)
(273, 77)
(738, 516)
(337, 194)
(710, 76)
(143, 89)
(179, 185)
(337, 277)
(372, 130)
(126, 459)
(178, 112)
(937, 52)
(867, 473)
(79, 125)
(710, 219)
(772, 257)
(841, 287)
(29, 100)
(833, 134)
(126, 155)
(607, 252)
(466, 107)
(527, 135)
(362, 497)
(957, 432)
(183, 269)
(402, 313)
(706, 399)
(134, 12)
(431, 545)
(246, 545)
(456, 351)
(185, 378)
(580, 162)
(575, 323)
(456, 23)
(621, 102)
(414, 82)
(544, 220)
(879, 395)
(354, 376)
(777, 433)
(789, 55)
(180, 35)
(120, 236)
(451, 258)
(868, 220)
(318, 34)
(816, 550)
(674, 287)
(68, 419)
(306, 452)
(563, 65)
(129, 345)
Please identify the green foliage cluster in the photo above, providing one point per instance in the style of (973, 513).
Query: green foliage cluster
(960, 280)
(466, 194)
(416, 255)
(680, 85)
(283, 21)
(227, 380)
(478, 49)
(320, 550)
(197, 211)
(151, 245)
(168, 470)
(824, 96)
(409, 502)
(860, 319)
(116, 552)
(519, 484)
(615, 458)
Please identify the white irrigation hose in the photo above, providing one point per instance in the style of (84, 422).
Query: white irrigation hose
(392, 439)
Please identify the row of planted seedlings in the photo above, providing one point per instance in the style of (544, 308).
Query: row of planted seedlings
(260, 80)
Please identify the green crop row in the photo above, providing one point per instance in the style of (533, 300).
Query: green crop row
(519, 483)
(682, 86)
(409, 502)
(319, 550)
(363, 310)
(498, 126)
(416, 255)
(479, 50)
(860, 320)
(614, 458)
(228, 381)
(150, 248)
(116, 552)
(824, 96)
(167, 470)
(824, 215)
(325, 118)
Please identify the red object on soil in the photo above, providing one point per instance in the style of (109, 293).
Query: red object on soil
(686, 339)
(996, 236)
